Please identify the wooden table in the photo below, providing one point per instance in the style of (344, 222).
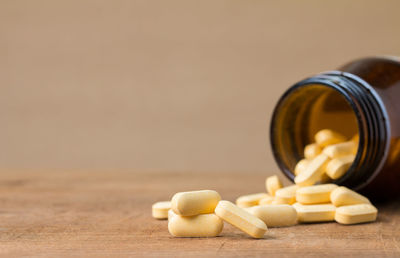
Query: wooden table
(108, 213)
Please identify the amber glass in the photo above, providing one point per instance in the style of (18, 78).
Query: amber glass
(361, 97)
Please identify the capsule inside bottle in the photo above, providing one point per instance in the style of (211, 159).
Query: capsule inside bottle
(312, 115)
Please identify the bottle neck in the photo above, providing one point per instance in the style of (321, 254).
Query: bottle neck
(370, 113)
(373, 126)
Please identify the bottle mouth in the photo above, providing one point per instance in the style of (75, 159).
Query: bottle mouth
(338, 101)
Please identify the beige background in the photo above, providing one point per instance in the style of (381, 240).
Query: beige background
(166, 85)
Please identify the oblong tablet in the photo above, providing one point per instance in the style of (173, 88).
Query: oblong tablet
(203, 225)
(272, 184)
(281, 215)
(266, 200)
(327, 137)
(286, 195)
(340, 149)
(315, 212)
(312, 150)
(301, 166)
(171, 213)
(195, 202)
(338, 167)
(250, 200)
(160, 210)
(354, 214)
(342, 196)
(250, 209)
(315, 194)
(241, 219)
(313, 172)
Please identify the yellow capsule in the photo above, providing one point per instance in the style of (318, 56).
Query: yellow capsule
(272, 184)
(285, 195)
(354, 214)
(241, 219)
(301, 166)
(250, 200)
(340, 149)
(343, 196)
(313, 172)
(327, 137)
(203, 225)
(277, 201)
(266, 200)
(250, 209)
(312, 150)
(315, 194)
(171, 213)
(282, 215)
(339, 166)
(160, 209)
(315, 212)
(195, 202)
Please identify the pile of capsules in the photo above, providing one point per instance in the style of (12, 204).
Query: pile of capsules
(328, 158)
(201, 213)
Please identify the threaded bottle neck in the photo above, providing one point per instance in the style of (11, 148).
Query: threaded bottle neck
(374, 130)
(287, 133)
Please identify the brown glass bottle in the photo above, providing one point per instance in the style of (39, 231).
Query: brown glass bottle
(361, 97)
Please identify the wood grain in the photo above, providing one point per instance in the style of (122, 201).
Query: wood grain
(108, 213)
